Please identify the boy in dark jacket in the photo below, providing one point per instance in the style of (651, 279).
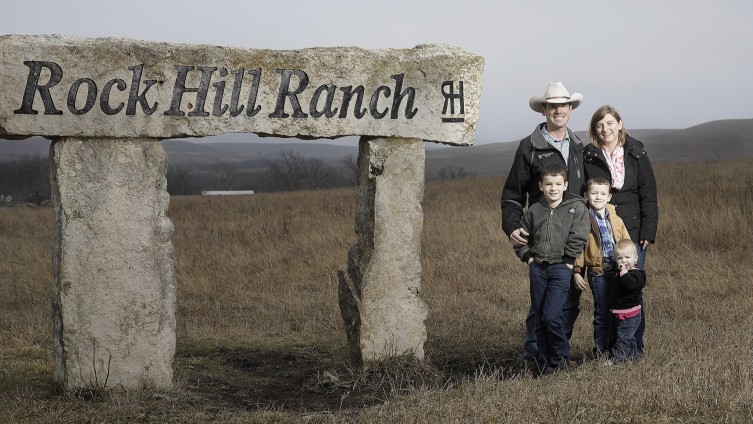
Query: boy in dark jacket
(557, 227)
(624, 300)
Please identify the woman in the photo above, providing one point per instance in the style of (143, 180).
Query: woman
(623, 161)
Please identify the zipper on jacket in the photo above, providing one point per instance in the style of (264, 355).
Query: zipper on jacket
(549, 232)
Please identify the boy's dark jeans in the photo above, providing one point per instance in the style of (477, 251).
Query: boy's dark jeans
(570, 311)
(599, 284)
(549, 286)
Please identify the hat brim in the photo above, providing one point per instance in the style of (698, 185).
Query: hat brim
(537, 102)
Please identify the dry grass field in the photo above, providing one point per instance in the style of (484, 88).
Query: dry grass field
(260, 338)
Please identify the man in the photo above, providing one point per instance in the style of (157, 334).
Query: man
(550, 143)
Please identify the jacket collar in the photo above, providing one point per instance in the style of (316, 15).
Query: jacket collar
(539, 141)
(566, 200)
(633, 147)
(611, 212)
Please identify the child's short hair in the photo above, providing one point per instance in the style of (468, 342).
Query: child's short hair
(553, 169)
(597, 181)
(625, 245)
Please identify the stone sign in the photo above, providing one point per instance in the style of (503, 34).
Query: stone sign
(106, 104)
(110, 87)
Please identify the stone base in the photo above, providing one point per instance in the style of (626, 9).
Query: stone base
(114, 265)
(380, 286)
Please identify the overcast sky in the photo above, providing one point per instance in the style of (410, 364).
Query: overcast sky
(663, 64)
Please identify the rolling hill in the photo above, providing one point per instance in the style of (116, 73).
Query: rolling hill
(721, 139)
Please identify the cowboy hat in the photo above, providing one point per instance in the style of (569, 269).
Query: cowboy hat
(555, 93)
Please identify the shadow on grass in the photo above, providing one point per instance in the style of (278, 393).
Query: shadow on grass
(317, 379)
(499, 362)
(224, 379)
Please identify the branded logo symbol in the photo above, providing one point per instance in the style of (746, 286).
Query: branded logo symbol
(545, 155)
(450, 96)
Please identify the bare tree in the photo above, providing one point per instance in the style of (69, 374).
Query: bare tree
(179, 180)
(452, 173)
(319, 174)
(226, 174)
(351, 165)
(289, 171)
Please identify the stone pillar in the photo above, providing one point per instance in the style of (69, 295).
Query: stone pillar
(380, 285)
(114, 264)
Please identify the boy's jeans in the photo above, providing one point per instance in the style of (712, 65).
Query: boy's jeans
(549, 286)
(599, 284)
(570, 311)
(625, 348)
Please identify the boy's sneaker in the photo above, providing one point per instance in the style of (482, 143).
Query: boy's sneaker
(607, 363)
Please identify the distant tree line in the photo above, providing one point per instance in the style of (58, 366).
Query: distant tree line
(454, 173)
(27, 180)
(290, 171)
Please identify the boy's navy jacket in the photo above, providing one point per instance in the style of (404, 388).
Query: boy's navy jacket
(555, 235)
(625, 291)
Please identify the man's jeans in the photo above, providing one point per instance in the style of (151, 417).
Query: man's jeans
(599, 284)
(626, 348)
(549, 287)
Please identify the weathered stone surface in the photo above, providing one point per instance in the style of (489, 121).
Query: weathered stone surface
(114, 278)
(107, 101)
(380, 286)
(54, 85)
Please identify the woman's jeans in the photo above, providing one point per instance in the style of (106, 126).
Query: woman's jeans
(642, 327)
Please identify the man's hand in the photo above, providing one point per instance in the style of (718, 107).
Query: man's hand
(519, 237)
(580, 282)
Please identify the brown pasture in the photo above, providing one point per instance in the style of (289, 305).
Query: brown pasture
(260, 338)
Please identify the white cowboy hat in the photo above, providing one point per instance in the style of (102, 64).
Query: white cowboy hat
(555, 93)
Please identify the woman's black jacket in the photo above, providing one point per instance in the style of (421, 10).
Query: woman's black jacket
(636, 201)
